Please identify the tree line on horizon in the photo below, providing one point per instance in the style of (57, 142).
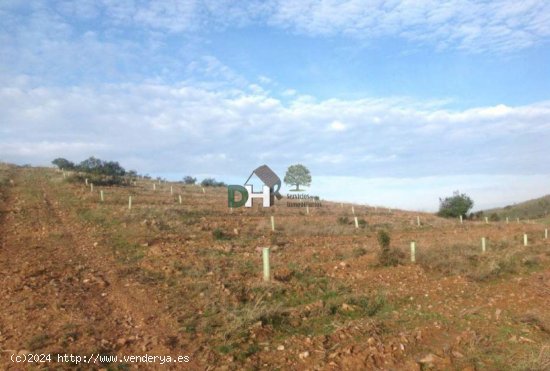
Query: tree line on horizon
(111, 172)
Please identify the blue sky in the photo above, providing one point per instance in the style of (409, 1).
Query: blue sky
(391, 103)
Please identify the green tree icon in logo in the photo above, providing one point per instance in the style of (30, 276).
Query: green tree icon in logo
(297, 175)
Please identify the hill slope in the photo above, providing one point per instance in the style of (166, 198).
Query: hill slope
(171, 276)
(531, 209)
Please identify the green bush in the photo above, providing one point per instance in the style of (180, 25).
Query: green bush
(384, 239)
(387, 257)
(189, 179)
(453, 207)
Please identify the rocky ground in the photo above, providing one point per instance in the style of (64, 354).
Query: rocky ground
(84, 277)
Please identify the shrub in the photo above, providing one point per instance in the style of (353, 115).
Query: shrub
(387, 257)
(93, 165)
(384, 239)
(219, 234)
(96, 166)
(211, 182)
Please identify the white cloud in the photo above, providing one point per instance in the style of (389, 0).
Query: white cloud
(472, 26)
(289, 92)
(337, 126)
(417, 137)
(463, 24)
(188, 129)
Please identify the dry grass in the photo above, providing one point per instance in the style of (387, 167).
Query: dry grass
(468, 260)
(541, 322)
(323, 269)
(536, 361)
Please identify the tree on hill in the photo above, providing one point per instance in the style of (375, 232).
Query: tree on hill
(63, 163)
(189, 179)
(96, 166)
(113, 168)
(298, 175)
(90, 165)
(93, 165)
(453, 207)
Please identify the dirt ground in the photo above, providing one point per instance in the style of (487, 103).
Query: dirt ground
(83, 277)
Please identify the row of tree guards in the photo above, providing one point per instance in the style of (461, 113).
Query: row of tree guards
(356, 221)
(266, 266)
(265, 250)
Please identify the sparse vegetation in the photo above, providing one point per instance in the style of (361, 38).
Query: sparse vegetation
(195, 272)
(532, 209)
(469, 261)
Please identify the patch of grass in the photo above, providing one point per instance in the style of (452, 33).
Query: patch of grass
(96, 216)
(227, 348)
(189, 270)
(536, 361)
(220, 234)
(147, 276)
(537, 320)
(126, 251)
(356, 306)
(469, 261)
(38, 342)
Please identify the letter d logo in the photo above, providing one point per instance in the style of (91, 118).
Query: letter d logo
(231, 195)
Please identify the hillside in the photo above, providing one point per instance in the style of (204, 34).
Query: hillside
(532, 209)
(99, 279)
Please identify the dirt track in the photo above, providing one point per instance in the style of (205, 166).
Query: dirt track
(62, 292)
(71, 285)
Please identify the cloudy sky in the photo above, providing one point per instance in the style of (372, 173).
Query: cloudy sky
(391, 103)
